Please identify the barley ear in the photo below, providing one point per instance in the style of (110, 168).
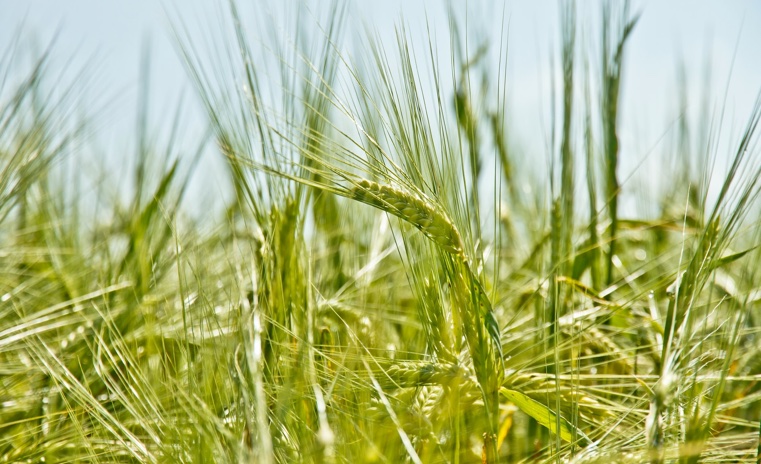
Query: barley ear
(432, 222)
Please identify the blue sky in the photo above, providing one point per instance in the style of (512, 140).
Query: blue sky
(109, 36)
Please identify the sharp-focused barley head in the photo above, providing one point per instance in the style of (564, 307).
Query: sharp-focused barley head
(435, 224)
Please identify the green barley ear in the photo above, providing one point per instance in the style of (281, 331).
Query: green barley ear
(432, 222)
(416, 374)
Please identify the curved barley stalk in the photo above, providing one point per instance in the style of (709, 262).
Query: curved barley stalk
(472, 304)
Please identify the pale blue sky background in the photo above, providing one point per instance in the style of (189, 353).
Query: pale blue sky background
(110, 34)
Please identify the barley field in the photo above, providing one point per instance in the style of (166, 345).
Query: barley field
(392, 279)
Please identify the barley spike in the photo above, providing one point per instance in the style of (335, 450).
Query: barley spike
(434, 224)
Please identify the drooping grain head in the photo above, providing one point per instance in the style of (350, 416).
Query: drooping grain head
(434, 223)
